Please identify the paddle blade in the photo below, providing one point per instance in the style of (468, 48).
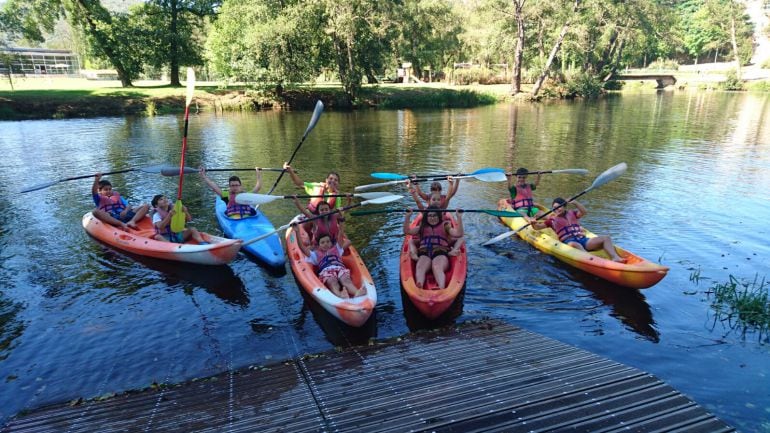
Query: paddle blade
(499, 238)
(382, 200)
(610, 174)
(252, 199)
(178, 220)
(319, 108)
(190, 86)
(580, 171)
(492, 176)
(372, 195)
(377, 185)
(39, 186)
(389, 176)
(168, 170)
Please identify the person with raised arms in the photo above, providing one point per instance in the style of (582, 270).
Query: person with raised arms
(234, 209)
(521, 194)
(112, 208)
(329, 186)
(327, 259)
(434, 234)
(331, 225)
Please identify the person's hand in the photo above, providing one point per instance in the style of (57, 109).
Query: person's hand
(409, 211)
(259, 169)
(98, 175)
(459, 211)
(202, 171)
(348, 195)
(286, 166)
(450, 179)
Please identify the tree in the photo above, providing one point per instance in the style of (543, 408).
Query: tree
(570, 18)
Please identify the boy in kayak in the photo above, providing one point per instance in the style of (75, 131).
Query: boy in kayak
(565, 223)
(433, 234)
(327, 259)
(161, 221)
(521, 194)
(329, 186)
(113, 209)
(234, 209)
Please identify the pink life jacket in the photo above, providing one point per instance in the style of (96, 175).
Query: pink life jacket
(523, 197)
(330, 227)
(433, 238)
(313, 204)
(113, 204)
(566, 227)
(235, 208)
(329, 258)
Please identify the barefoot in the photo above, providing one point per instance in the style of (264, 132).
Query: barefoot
(132, 225)
(453, 252)
(619, 260)
(419, 285)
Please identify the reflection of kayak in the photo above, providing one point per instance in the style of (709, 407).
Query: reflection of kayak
(218, 252)
(637, 272)
(355, 311)
(429, 300)
(268, 250)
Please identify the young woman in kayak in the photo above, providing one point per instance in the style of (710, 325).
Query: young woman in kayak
(113, 209)
(329, 186)
(329, 225)
(565, 223)
(161, 221)
(521, 194)
(436, 201)
(434, 234)
(234, 209)
(327, 258)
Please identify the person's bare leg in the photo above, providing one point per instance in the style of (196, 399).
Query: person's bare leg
(439, 266)
(420, 269)
(109, 219)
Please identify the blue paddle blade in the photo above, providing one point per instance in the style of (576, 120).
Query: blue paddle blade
(389, 176)
(488, 170)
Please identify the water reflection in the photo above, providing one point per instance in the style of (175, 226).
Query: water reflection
(416, 321)
(336, 331)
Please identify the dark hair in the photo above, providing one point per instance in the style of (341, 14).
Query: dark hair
(430, 210)
(318, 207)
(334, 173)
(560, 201)
(321, 236)
(155, 199)
(234, 178)
(436, 185)
(103, 183)
(522, 171)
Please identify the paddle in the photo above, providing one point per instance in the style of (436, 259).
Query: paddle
(580, 171)
(610, 174)
(382, 200)
(493, 212)
(178, 220)
(252, 199)
(494, 176)
(319, 108)
(396, 176)
(173, 171)
(148, 169)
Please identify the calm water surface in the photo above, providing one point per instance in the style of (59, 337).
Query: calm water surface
(80, 320)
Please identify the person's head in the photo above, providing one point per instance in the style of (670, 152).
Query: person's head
(435, 187)
(105, 187)
(434, 200)
(333, 180)
(521, 174)
(432, 217)
(234, 184)
(324, 241)
(561, 204)
(159, 200)
(323, 207)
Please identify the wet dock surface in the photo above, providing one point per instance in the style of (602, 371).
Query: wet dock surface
(486, 376)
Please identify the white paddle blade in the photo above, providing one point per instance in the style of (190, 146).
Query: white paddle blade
(383, 200)
(494, 176)
(372, 195)
(190, 86)
(580, 171)
(319, 108)
(252, 199)
(499, 238)
(610, 174)
(377, 185)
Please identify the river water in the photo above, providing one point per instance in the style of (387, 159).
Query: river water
(80, 320)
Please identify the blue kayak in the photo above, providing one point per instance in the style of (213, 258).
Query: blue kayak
(268, 250)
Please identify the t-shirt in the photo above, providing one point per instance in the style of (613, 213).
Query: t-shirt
(313, 257)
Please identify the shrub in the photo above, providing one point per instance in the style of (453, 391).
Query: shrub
(664, 64)
(759, 86)
(732, 82)
(583, 84)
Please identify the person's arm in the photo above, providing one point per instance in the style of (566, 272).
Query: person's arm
(187, 215)
(162, 223)
(416, 198)
(259, 180)
(212, 186)
(343, 240)
(294, 178)
(301, 208)
(509, 178)
(581, 209)
(457, 231)
(304, 248)
(422, 195)
(537, 180)
(539, 224)
(95, 186)
(407, 222)
(454, 184)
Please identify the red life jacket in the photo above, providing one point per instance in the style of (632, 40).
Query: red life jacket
(166, 231)
(113, 204)
(433, 237)
(523, 197)
(313, 204)
(330, 227)
(329, 258)
(566, 227)
(235, 208)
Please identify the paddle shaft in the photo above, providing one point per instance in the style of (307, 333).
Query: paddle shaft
(184, 149)
(497, 213)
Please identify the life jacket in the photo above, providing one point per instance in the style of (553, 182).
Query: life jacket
(313, 204)
(567, 227)
(523, 197)
(330, 227)
(329, 258)
(113, 204)
(433, 237)
(234, 208)
(166, 231)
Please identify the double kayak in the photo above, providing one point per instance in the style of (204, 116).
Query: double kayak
(268, 250)
(637, 272)
(353, 311)
(218, 251)
(431, 301)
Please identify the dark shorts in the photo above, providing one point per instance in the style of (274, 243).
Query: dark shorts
(126, 218)
(177, 238)
(432, 254)
(581, 240)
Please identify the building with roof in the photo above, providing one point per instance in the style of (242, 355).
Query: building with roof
(39, 62)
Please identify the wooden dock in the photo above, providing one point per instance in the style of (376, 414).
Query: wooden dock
(477, 377)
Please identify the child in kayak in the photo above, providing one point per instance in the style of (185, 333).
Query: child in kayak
(330, 225)
(435, 187)
(234, 209)
(438, 201)
(434, 234)
(565, 223)
(113, 209)
(329, 186)
(161, 221)
(327, 258)
(521, 194)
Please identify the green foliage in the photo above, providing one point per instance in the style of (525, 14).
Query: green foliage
(664, 65)
(766, 64)
(477, 75)
(582, 84)
(759, 86)
(742, 305)
(732, 82)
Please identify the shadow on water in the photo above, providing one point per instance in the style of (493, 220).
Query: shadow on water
(273, 271)
(336, 331)
(628, 305)
(415, 321)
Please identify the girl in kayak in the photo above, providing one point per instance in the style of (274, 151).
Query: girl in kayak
(436, 201)
(161, 221)
(435, 187)
(234, 187)
(113, 209)
(434, 235)
(329, 186)
(329, 225)
(327, 258)
(521, 193)
(565, 223)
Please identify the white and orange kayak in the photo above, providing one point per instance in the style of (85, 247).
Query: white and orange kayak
(354, 311)
(218, 251)
(430, 300)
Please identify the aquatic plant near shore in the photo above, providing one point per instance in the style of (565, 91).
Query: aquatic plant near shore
(743, 305)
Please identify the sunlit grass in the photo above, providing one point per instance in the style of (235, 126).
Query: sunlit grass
(743, 305)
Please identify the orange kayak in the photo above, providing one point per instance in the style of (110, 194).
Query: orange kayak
(355, 311)
(429, 300)
(218, 252)
(637, 272)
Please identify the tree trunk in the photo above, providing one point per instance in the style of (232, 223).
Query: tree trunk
(554, 50)
(517, 56)
(104, 43)
(174, 48)
(735, 43)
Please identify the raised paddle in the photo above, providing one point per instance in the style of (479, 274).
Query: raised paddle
(178, 220)
(610, 174)
(493, 176)
(174, 171)
(148, 169)
(493, 212)
(382, 200)
(580, 171)
(253, 199)
(396, 176)
(319, 108)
